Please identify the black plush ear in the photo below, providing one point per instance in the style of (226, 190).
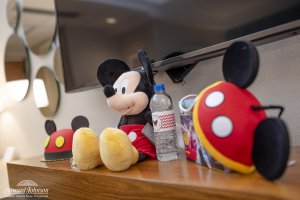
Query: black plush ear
(145, 61)
(271, 148)
(110, 70)
(79, 122)
(240, 63)
(50, 127)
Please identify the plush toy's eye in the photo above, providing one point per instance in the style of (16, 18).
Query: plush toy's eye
(116, 90)
(123, 90)
(124, 85)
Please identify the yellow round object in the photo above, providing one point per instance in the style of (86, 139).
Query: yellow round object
(47, 141)
(59, 142)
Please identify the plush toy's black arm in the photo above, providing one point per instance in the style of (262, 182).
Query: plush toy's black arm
(123, 121)
(148, 117)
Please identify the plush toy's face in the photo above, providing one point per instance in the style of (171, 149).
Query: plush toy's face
(127, 91)
(128, 100)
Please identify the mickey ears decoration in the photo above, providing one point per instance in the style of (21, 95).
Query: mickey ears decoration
(240, 63)
(77, 122)
(50, 127)
(145, 61)
(110, 70)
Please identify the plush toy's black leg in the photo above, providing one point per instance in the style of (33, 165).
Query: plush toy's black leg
(142, 157)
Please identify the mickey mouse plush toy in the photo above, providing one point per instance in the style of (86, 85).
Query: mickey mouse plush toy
(233, 125)
(128, 92)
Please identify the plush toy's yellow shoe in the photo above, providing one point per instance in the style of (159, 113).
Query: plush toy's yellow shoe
(85, 149)
(116, 150)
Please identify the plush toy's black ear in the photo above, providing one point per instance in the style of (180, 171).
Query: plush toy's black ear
(50, 127)
(271, 148)
(110, 70)
(145, 61)
(79, 122)
(240, 63)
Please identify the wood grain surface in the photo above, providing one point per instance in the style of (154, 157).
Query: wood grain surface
(154, 180)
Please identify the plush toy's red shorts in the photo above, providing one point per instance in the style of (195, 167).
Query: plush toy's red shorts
(139, 140)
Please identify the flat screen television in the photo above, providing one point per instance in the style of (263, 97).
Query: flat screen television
(91, 31)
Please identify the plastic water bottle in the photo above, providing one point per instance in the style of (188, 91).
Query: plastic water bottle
(164, 124)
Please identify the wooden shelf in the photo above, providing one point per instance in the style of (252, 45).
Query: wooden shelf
(153, 180)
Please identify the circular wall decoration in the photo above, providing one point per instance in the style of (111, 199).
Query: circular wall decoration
(58, 66)
(39, 22)
(13, 13)
(17, 68)
(46, 92)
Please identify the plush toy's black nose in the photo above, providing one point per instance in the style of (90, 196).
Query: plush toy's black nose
(109, 91)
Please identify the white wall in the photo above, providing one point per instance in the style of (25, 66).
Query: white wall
(22, 125)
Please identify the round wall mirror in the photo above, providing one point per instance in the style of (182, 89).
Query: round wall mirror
(46, 92)
(58, 66)
(13, 13)
(17, 68)
(39, 22)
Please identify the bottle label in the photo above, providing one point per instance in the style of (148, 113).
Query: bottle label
(163, 121)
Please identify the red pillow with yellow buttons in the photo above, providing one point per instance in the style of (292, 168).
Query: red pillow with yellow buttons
(233, 125)
(58, 145)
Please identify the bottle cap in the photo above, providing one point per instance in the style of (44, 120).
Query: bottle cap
(159, 87)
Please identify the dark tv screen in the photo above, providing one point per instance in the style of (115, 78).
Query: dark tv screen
(91, 31)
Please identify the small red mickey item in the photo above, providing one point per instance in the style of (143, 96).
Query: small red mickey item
(58, 145)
